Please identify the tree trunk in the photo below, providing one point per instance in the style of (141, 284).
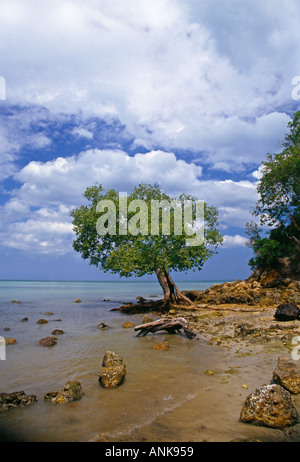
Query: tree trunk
(171, 292)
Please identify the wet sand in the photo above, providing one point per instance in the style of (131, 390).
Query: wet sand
(244, 344)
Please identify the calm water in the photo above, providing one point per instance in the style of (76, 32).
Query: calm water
(156, 383)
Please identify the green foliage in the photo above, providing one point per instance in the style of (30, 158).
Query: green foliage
(138, 255)
(279, 203)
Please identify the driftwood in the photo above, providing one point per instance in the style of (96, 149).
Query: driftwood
(170, 325)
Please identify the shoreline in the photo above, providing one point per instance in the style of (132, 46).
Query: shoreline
(247, 334)
(240, 344)
(248, 342)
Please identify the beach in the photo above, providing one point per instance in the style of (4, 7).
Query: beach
(191, 392)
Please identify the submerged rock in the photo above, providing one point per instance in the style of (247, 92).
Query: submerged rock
(103, 326)
(127, 325)
(57, 332)
(287, 374)
(163, 346)
(72, 392)
(15, 399)
(10, 341)
(287, 312)
(113, 370)
(48, 341)
(269, 406)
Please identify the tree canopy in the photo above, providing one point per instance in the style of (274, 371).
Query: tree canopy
(139, 253)
(279, 204)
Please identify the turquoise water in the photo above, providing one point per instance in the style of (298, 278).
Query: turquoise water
(152, 383)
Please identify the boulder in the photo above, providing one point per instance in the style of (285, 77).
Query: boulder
(113, 370)
(269, 406)
(15, 399)
(48, 341)
(71, 392)
(270, 279)
(287, 374)
(287, 312)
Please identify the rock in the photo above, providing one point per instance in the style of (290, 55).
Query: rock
(163, 346)
(243, 330)
(16, 301)
(10, 341)
(269, 406)
(57, 332)
(15, 399)
(48, 341)
(287, 374)
(287, 312)
(270, 279)
(78, 300)
(140, 299)
(113, 370)
(24, 319)
(42, 321)
(103, 326)
(72, 392)
(146, 319)
(127, 325)
(6, 329)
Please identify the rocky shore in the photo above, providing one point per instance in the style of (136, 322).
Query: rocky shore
(258, 316)
(252, 320)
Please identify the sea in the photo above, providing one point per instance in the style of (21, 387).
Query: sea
(157, 383)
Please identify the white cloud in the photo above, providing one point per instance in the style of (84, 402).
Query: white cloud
(234, 241)
(39, 210)
(83, 133)
(177, 73)
(208, 76)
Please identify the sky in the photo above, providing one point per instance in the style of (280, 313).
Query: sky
(189, 94)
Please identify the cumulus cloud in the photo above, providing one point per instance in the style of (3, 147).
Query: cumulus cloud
(38, 212)
(202, 76)
(234, 241)
(207, 81)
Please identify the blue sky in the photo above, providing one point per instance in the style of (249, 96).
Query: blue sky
(189, 94)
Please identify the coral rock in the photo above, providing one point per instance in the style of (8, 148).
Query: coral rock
(269, 406)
